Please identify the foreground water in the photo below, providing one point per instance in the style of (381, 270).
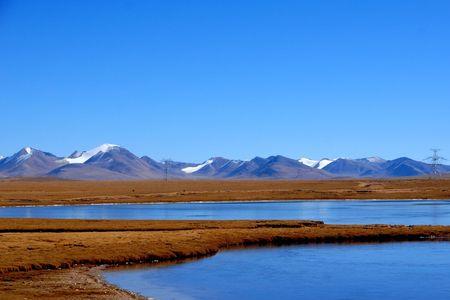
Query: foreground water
(332, 212)
(412, 270)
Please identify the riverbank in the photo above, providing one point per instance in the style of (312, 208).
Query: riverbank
(60, 192)
(73, 284)
(53, 257)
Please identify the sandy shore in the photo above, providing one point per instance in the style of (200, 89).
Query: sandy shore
(58, 192)
(54, 258)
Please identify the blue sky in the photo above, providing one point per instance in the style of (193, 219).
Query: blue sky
(194, 79)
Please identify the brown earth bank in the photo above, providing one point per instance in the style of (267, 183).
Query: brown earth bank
(73, 284)
(48, 192)
(54, 258)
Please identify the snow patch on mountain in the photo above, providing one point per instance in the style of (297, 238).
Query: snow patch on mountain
(80, 158)
(190, 170)
(375, 159)
(308, 162)
(324, 162)
(28, 153)
(235, 162)
(317, 164)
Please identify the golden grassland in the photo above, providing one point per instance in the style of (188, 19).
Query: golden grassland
(29, 247)
(47, 192)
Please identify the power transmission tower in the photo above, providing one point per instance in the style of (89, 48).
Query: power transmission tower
(435, 161)
(167, 163)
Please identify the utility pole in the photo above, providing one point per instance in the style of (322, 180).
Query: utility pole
(435, 161)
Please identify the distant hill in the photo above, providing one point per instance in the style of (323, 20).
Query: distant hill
(375, 167)
(353, 167)
(29, 162)
(112, 162)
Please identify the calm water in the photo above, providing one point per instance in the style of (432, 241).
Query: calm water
(337, 212)
(419, 270)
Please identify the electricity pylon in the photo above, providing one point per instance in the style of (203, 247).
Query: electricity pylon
(435, 161)
(167, 162)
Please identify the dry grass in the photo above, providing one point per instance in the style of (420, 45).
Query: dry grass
(64, 243)
(44, 192)
(68, 225)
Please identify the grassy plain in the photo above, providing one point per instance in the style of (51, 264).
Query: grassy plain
(47, 192)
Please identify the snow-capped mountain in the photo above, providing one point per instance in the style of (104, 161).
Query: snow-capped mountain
(113, 162)
(28, 162)
(81, 157)
(324, 162)
(271, 167)
(277, 167)
(193, 169)
(213, 167)
(308, 162)
(374, 167)
(317, 164)
(107, 161)
(118, 159)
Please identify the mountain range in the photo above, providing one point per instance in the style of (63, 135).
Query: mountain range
(112, 162)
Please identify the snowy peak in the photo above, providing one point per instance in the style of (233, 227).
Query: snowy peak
(324, 162)
(81, 157)
(28, 150)
(24, 154)
(25, 151)
(308, 162)
(215, 166)
(190, 170)
(120, 160)
(106, 147)
(317, 164)
(28, 162)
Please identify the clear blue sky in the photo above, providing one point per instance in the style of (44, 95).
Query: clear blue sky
(194, 79)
